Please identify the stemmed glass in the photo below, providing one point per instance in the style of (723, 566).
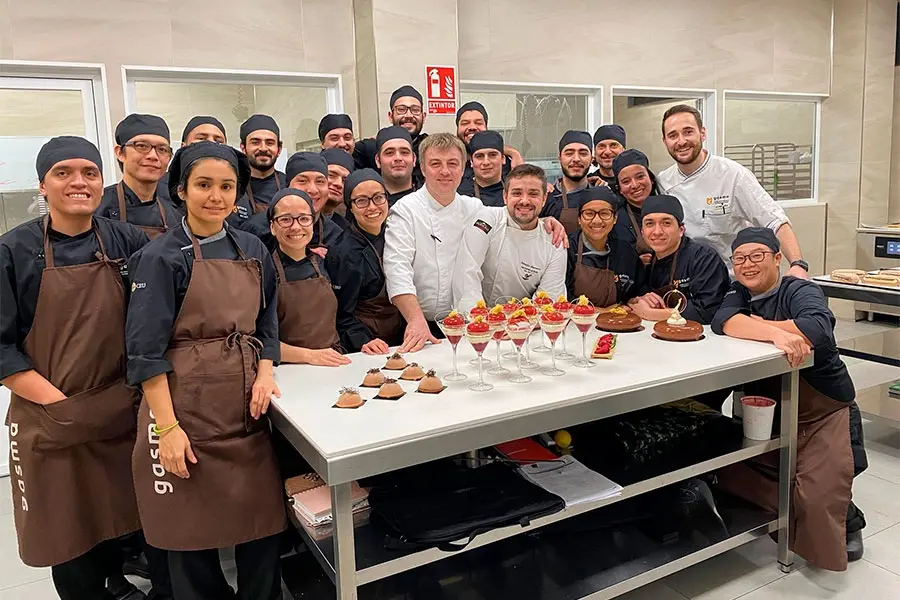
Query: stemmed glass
(565, 307)
(542, 299)
(480, 309)
(531, 313)
(510, 305)
(453, 324)
(553, 322)
(519, 328)
(479, 333)
(496, 320)
(584, 315)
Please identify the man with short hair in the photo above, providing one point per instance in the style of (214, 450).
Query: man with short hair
(720, 196)
(261, 142)
(396, 160)
(143, 152)
(472, 118)
(575, 156)
(336, 131)
(507, 253)
(487, 161)
(679, 264)
(406, 111)
(793, 315)
(423, 236)
(340, 165)
(203, 128)
(609, 142)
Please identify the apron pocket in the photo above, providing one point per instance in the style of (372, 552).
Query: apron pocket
(101, 413)
(211, 407)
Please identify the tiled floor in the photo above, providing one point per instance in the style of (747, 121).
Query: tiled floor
(749, 573)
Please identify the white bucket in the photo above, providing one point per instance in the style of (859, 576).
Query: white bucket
(759, 414)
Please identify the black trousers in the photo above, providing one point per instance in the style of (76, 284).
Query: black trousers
(197, 574)
(84, 577)
(130, 547)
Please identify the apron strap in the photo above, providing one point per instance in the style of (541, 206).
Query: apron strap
(277, 182)
(477, 189)
(120, 192)
(315, 263)
(48, 247)
(195, 243)
(638, 236)
(580, 243)
(355, 227)
(320, 225)
(162, 213)
(565, 196)
(671, 271)
(279, 268)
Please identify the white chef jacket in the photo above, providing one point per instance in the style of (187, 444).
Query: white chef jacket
(498, 258)
(421, 243)
(720, 199)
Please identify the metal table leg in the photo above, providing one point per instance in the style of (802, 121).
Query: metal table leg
(344, 545)
(790, 383)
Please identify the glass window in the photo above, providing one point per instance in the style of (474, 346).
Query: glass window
(776, 140)
(641, 116)
(296, 109)
(533, 122)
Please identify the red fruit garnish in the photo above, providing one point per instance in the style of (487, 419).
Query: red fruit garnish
(553, 317)
(562, 304)
(542, 298)
(496, 317)
(583, 310)
(454, 319)
(529, 310)
(478, 326)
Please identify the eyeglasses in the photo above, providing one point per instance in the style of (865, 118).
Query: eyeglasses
(605, 214)
(402, 109)
(162, 150)
(287, 221)
(362, 202)
(754, 257)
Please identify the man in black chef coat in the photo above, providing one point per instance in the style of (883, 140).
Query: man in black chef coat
(336, 131)
(575, 155)
(678, 263)
(143, 152)
(471, 118)
(406, 111)
(487, 160)
(261, 142)
(609, 142)
(340, 165)
(792, 314)
(203, 128)
(396, 161)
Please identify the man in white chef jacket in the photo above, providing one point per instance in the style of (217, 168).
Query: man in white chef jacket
(423, 236)
(720, 196)
(508, 253)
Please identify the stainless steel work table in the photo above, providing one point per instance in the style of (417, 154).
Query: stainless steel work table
(346, 445)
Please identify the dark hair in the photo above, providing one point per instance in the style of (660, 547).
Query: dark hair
(526, 170)
(654, 185)
(186, 174)
(682, 108)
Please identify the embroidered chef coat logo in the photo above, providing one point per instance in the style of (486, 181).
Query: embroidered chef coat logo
(709, 200)
(483, 226)
(137, 285)
(528, 270)
(682, 283)
(241, 211)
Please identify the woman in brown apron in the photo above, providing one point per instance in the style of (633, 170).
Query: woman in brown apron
(71, 417)
(307, 306)
(202, 339)
(636, 182)
(367, 321)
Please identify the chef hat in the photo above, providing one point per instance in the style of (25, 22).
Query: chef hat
(394, 132)
(357, 177)
(199, 120)
(301, 162)
(403, 91)
(600, 192)
(65, 147)
(756, 235)
(257, 122)
(630, 157)
(333, 121)
(134, 125)
(486, 140)
(188, 155)
(573, 136)
(472, 106)
(669, 205)
(337, 156)
(610, 132)
(284, 193)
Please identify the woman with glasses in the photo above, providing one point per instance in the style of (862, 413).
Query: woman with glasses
(307, 306)
(367, 321)
(635, 182)
(602, 267)
(143, 153)
(201, 336)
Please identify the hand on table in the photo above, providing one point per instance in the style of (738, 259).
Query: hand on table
(416, 336)
(652, 300)
(794, 346)
(326, 357)
(175, 452)
(376, 346)
(263, 389)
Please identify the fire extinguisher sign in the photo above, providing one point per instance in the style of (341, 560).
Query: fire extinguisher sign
(441, 90)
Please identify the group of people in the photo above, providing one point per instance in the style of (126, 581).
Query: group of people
(141, 321)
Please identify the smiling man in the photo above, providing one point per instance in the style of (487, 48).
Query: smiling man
(609, 142)
(487, 160)
(261, 142)
(336, 131)
(720, 196)
(575, 156)
(396, 161)
(507, 253)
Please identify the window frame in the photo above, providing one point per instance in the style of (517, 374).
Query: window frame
(816, 99)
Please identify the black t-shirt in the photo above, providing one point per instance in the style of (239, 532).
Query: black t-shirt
(805, 304)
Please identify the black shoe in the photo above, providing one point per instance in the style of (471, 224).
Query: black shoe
(123, 589)
(855, 547)
(137, 566)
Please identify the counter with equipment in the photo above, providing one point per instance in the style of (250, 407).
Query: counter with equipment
(386, 435)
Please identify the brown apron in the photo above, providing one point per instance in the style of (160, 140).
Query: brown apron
(477, 189)
(259, 207)
(599, 285)
(568, 216)
(70, 461)
(662, 291)
(307, 309)
(823, 484)
(640, 244)
(378, 314)
(234, 491)
(152, 231)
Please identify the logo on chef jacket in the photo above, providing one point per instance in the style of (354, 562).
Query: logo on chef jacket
(682, 283)
(528, 270)
(483, 226)
(241, 211)
(137, 285)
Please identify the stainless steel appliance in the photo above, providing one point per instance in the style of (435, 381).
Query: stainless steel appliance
(877, 248)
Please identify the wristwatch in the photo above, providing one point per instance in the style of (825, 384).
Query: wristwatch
(801, 263)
